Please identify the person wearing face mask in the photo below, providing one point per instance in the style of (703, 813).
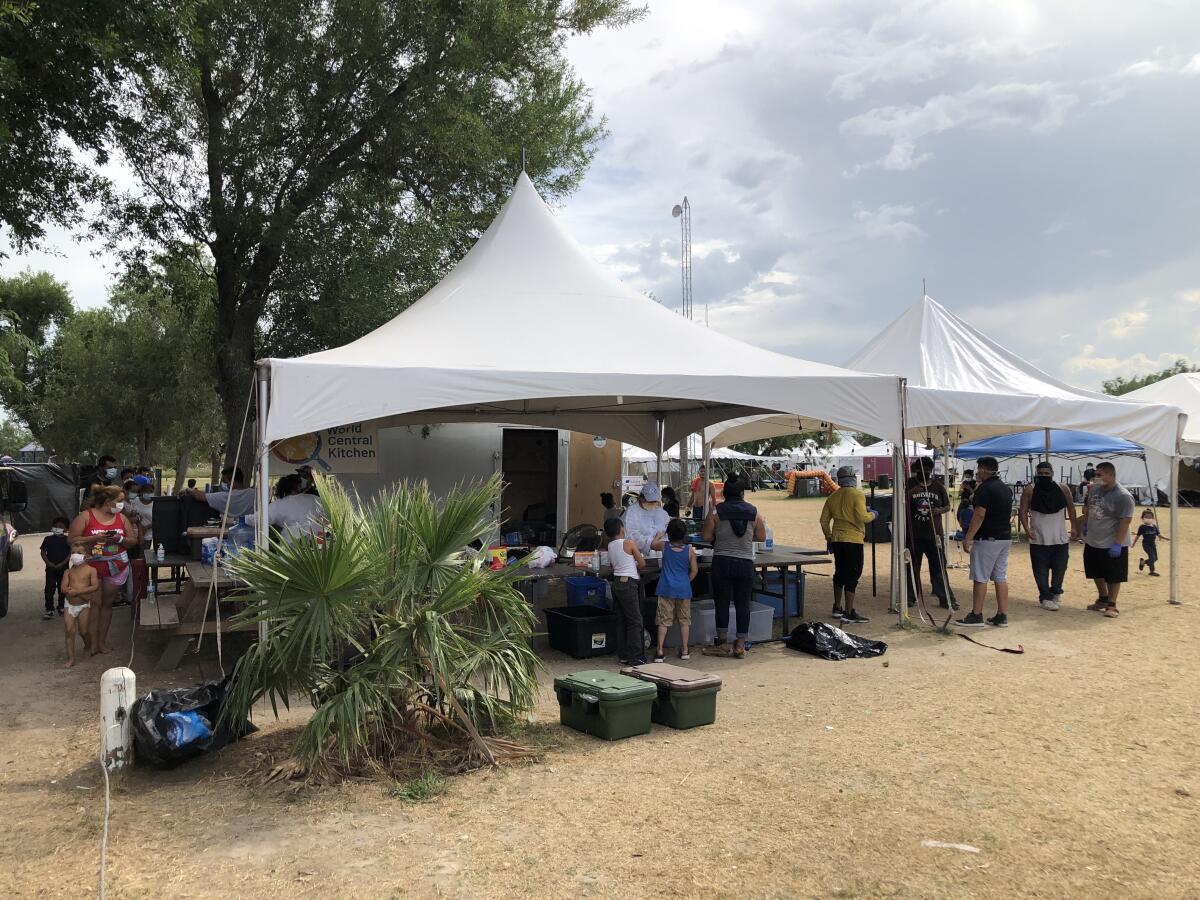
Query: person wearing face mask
(295, 513)
(141, 507)
(233, 498)
(105, 474)
(1041, 515)
(646, 519)
(79, 585)
(1106, 548)
(56, 551)
(108, 536)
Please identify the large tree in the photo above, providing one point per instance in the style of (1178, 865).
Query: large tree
(61, 64)
(32, 306)
(275, 122)
(134, 378)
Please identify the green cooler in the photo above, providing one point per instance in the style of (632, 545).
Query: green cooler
(684, 698)
(605, 704)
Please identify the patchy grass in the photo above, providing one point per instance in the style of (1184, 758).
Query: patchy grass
(425, 787)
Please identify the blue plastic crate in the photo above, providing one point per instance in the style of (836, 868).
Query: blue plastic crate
(793, 603)
(587, 590)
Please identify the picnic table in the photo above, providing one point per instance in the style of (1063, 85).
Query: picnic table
(787, 561)
(185, 616)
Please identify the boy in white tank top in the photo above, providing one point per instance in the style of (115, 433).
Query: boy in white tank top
(626, 559)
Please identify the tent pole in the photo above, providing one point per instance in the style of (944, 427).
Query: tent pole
(262, 536)
(660, 427)
(706, 452)
(1173, 487)
(899, 585)
(1047, 445)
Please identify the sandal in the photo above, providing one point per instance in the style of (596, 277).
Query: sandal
(1111, 612)
(738, 654)
(716, 650)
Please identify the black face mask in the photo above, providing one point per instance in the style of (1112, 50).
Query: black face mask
(1046, 480)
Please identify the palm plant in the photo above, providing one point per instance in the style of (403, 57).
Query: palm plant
(406, 648)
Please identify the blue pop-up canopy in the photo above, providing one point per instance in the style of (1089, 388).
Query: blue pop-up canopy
(1033, 443)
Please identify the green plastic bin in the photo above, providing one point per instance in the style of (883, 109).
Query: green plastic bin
(605, 704)
(684, 698)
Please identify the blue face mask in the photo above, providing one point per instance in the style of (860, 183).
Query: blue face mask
(110, 473)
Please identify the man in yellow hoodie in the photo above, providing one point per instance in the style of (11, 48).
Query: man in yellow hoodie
(844, 519)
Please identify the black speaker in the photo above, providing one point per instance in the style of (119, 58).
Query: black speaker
(880, 531)
(883, 481)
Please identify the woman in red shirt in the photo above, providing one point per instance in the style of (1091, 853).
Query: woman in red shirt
(109, 535)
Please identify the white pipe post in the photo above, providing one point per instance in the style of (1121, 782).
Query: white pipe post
(262, 530)
(899, 581)
(1173, 487)
(660, 422)
(707, 454)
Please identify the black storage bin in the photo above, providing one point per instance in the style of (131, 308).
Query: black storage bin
(581, 631)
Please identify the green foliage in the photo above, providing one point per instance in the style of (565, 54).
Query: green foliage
(13, 437)
(60, 69)
(440, 642)
(865, 439)
(1121, 385)
(780, 446)
(135, 378)
(278, 133)
(32, 307)
(429, 785)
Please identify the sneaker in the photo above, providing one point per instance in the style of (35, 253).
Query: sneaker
(685, 656)
(1050, 604)
(660, 657)
(1155, 575)
(837, 613)
(954, 605)
(999, 620)
(1141, 564)
(1101, 604)
(970, 620)
(640, 661)
(854, 618)
(48, 614)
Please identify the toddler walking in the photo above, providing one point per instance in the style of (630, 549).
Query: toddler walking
(1149, 534)
(80, 585)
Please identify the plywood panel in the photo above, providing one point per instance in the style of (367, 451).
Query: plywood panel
(593, 470)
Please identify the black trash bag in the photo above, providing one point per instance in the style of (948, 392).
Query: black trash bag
(157, 733)
(830, 642)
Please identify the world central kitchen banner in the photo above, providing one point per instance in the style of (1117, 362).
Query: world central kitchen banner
(347, 449)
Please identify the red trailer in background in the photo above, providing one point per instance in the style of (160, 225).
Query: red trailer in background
(874, 466)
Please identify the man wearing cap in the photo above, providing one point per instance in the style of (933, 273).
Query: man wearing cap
(141, 507)
(988, 540)
(844, 519)
(646, 518)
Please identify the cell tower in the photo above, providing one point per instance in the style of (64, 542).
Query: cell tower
(683, 212)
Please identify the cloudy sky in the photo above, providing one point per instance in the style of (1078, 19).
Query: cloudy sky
(1037, 163)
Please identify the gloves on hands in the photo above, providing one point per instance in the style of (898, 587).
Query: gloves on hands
(1115, 550)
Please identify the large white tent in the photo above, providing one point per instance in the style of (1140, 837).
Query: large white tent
(1181, 390)
(960, 379)
(525, 330)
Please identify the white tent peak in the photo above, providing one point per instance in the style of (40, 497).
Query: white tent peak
(1182, 390)
(932, 347)
(529, 329)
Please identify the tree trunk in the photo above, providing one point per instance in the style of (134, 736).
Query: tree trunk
(235, 341)
(182, 458)
(214, 477)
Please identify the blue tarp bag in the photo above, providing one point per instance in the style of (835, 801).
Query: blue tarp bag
(184, 728)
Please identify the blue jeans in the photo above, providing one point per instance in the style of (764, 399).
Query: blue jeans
(1049, 562)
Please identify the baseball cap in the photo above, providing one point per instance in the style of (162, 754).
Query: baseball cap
(143, 480)
(847, 476)
(651, 492)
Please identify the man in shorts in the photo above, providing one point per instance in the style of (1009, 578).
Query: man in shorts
(988, 540)
(1106, 548)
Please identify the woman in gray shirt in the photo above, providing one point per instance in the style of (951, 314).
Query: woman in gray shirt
(733, 527)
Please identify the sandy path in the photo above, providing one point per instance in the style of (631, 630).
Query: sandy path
(1073, 768)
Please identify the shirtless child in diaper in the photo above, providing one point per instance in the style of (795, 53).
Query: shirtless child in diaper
(80, 585)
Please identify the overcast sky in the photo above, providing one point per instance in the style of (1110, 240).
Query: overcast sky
(1037, 163)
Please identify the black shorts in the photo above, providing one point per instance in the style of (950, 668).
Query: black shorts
(847, 565)
(1097, 564)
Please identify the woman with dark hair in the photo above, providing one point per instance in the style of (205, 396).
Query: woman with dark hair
(733, 527)
(109, 536)
(670, 502)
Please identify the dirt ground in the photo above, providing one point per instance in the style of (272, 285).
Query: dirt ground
(1072, 769)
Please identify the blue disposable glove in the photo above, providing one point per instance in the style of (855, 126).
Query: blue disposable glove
(1115, 550)
(829, 546)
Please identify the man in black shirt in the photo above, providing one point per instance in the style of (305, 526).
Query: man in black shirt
(988, 540)
(56, 553)
(927, 502)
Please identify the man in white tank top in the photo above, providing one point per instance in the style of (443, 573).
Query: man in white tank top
(1045, 508)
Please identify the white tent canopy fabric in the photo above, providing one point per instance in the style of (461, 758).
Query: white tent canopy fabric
(962, 381)
(1179, 390)
(513, 335)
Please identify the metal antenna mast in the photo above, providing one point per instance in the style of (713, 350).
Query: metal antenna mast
(683, 212)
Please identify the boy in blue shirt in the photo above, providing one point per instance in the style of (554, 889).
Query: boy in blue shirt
(1149, 533)
(679, 567)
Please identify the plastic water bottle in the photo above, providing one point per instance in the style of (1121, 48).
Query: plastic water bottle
(769, 544)
(151, 593)
(160, 553)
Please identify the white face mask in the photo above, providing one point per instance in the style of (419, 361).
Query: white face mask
(118, 506)
(57, 530)
(77, 559)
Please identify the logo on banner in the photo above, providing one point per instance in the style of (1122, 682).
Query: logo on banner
(346, 449)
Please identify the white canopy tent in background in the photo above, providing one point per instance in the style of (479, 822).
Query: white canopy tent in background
(511, 336)
(1182, 391)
